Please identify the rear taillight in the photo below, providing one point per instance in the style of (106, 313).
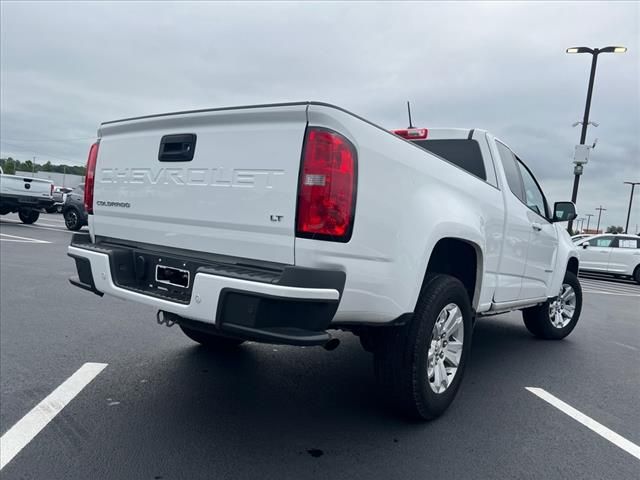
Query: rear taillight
(412, 133)
(327, 186)
(52, 188)
(90, 177)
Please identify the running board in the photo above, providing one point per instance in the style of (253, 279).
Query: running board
(503, 307)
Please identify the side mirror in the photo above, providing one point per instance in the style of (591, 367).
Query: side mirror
(564, 212)
(585, 245)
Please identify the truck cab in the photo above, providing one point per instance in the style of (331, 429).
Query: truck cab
(525, 261)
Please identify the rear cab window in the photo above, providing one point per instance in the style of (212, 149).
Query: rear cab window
(463, 152)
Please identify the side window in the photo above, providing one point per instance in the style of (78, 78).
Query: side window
(628, 243)
(601, 242)
(533, 195)
(512, 171)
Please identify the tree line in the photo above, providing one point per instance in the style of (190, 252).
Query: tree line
(12, 165)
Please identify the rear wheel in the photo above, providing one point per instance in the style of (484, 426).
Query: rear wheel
(555, 319)
(211, 340)
(636, 274)
(72, 219)
(419, 366)
(28, 215)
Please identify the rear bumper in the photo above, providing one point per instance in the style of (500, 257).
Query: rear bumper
(290, 305)
(16, 202)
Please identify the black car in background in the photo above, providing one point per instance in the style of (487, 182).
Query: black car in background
(59, 198)
(75, 216)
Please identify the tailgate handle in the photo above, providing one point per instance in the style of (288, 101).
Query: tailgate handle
(177, 148)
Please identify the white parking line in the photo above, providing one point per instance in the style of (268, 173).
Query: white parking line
(626, 346)
(52, 225)
(22, 225)
(588, 422)
(613, 293)
(18, 436)
(5, 237)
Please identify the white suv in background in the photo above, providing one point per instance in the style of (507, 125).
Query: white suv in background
(614, 254)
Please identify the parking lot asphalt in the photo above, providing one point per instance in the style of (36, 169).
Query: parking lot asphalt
(165, 408)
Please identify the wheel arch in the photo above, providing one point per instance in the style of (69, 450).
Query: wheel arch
(573, 265)
(461, 258)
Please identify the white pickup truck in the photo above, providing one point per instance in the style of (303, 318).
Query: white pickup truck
(277, 223)
(25, 195)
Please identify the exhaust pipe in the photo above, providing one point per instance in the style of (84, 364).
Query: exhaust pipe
(167, 318)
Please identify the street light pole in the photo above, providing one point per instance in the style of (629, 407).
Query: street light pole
(633, 186)
(588, 215)
(600, 210)
(585, 121)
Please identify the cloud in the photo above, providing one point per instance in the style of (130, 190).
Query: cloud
(500, 66)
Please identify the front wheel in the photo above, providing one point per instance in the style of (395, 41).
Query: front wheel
(419, 366)
(211, 340)
(28, 216)
(555, 319)
(636, 274)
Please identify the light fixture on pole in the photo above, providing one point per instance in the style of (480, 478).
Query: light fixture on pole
(594, 52)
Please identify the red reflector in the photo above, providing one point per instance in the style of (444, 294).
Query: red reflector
(327, 190)
(412, 133)
(89, 179)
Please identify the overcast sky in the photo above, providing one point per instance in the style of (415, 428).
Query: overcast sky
(66, 67)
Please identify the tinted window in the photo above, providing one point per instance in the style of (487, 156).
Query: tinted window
(627, 243)
(534, 198)
(512, 171)
(601, 242)
(461, 152)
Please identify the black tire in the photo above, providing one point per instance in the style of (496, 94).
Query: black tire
(636, 274)
(28, 215)
(537, 319)
(211, 340)
(72, 219)
(401, 356)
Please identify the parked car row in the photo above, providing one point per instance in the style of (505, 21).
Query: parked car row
(30, 196)
(617, 254)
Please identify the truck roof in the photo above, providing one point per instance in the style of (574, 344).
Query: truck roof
(434, 133)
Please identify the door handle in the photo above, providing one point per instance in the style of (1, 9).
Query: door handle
(536, 226)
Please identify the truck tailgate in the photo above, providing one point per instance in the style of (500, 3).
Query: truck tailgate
(236, 196)
(25, 187)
